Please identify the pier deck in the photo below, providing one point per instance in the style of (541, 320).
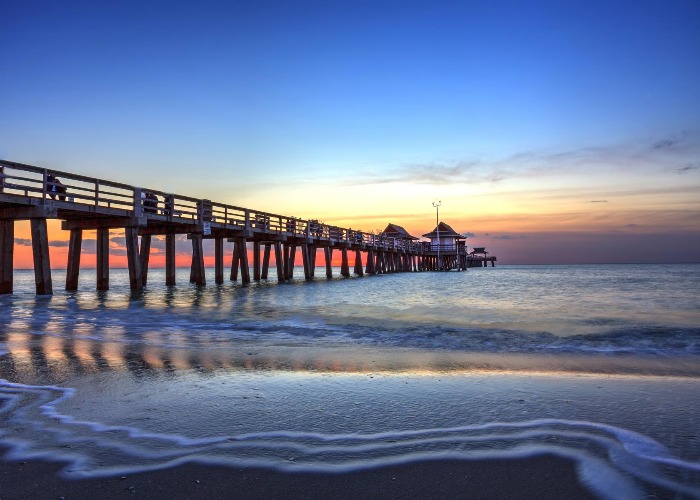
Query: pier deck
(85, 203)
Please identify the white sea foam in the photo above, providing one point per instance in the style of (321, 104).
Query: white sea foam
(608, 458)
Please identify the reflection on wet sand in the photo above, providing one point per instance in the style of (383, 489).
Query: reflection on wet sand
(30, 356)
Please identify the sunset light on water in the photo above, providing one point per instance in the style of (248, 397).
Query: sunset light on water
(373, 155)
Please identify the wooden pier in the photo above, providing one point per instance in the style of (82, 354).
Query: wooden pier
(84, 203)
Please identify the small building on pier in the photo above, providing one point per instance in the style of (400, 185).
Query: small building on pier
(398, 232)
(446, 239)
(479, 251)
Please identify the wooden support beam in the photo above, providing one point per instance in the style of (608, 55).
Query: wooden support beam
(289, 258)
(40, 250)
(279, 262)
(312, 260)
(344, 267)
(256, 260)
(235, 259)
(132, 255)
(328, 251)
(170, 259)
(358, 263)
(145, 257)
(369, 268)
(218, 260)
(102, 263)
(243, 259)
(192, 264)
(92, 223)
(73, 267)
(286, 248)
(199, 278)
(7, 249)
(292, 261)
(266, 261)
(29, 212)
(305, 258)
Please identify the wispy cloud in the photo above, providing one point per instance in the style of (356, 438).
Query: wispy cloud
(664, 144)
(27, 242)
(650, 155)
(507, 237)
(687, 168)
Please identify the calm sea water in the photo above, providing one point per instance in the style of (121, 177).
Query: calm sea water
(599, 364)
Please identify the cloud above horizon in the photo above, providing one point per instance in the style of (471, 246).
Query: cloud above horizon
(655, 156)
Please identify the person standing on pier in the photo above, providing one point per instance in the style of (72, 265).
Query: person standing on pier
(53, 185)
(150, 203)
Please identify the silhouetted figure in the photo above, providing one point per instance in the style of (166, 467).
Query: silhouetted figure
(55, 188)
(150, 203)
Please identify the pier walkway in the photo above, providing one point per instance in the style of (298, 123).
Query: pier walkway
(85, 203)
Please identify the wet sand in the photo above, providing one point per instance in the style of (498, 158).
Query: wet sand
(538, 477)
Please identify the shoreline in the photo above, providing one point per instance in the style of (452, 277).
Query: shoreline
(537, 477)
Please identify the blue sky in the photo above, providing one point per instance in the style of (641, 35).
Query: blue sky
(270, 102)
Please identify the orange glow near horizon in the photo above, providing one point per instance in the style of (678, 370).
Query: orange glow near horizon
(518, 224)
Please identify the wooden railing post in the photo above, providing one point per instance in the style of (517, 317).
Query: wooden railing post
(2, 178)
(138, 202)
(204, 210)
(45, 187)
(169, 206)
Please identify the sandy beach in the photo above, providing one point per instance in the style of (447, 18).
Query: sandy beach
(540, 477)
(284, 392)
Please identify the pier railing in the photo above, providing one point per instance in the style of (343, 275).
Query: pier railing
(66, 189)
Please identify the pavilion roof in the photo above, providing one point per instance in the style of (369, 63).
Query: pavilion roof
(398, 232)
(445, 231)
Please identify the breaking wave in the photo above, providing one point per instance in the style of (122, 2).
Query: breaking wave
(608, 458)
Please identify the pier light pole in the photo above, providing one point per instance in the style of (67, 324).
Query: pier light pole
(437, 204)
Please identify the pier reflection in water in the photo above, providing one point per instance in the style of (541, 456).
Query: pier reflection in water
(110, 406)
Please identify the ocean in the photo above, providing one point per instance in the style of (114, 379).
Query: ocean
(596, 364)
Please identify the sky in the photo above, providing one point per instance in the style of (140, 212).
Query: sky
(551, 132)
